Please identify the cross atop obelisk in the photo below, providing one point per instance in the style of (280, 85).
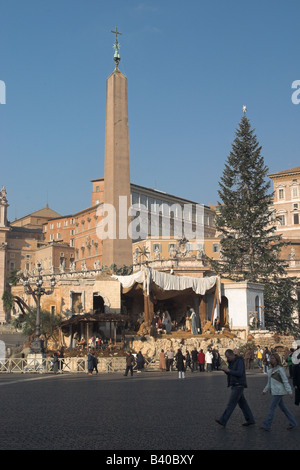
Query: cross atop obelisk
(116, 47)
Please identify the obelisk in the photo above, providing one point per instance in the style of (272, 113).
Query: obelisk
(117, 249)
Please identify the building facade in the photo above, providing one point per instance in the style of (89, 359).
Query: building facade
(286, 206)
(20, 242)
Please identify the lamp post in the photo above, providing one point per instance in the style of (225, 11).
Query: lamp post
(37, 292)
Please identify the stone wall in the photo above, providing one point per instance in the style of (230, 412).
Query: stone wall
(151, 347)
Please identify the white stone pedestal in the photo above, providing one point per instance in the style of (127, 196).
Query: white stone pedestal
(36, 363)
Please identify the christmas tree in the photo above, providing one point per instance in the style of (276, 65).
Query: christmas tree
(250, 246)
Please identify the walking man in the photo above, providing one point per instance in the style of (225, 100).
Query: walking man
(236, 379)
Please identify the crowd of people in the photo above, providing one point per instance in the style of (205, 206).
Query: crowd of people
(261, 357)
(193, 360)
(269, 362)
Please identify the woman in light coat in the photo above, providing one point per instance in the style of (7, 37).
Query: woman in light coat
(279, 386)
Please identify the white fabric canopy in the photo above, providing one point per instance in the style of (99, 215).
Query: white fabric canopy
(129, 281)
(169, 282)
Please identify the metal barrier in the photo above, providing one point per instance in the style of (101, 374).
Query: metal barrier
(69, 364)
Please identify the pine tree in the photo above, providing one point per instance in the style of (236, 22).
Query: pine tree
(250, 247)
(280, 305)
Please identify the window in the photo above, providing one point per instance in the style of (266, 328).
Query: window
(295, 206)
(281, 219)
(281, 194)
(294, 192)
(216, 247)
(58, 236)
(97, 189)
(296, 219)
(151, 204)
(200, 246)
(166, 209)
(135, 198)
(58, 224)
(158, 204)
(143, 199)
(51, 226)
(156, 246)
(188, 212)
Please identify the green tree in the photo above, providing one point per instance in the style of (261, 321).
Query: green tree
(8, 301)
(280, 305)
(250, 246)
(13, 277)
(49, 323)
(8, 298)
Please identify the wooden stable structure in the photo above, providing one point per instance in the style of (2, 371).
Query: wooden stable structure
(86, 323)
(154, 289)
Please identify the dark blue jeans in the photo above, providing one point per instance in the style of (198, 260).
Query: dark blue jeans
(129, 368)
(237, 398)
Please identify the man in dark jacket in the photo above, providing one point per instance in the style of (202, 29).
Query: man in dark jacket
(236, 379)
(130, 362)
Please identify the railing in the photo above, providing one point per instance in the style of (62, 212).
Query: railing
(68, 364)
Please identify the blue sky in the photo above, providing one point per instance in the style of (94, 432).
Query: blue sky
(191, 65)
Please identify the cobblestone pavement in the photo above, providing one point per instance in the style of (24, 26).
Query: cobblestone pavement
(149, 411)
